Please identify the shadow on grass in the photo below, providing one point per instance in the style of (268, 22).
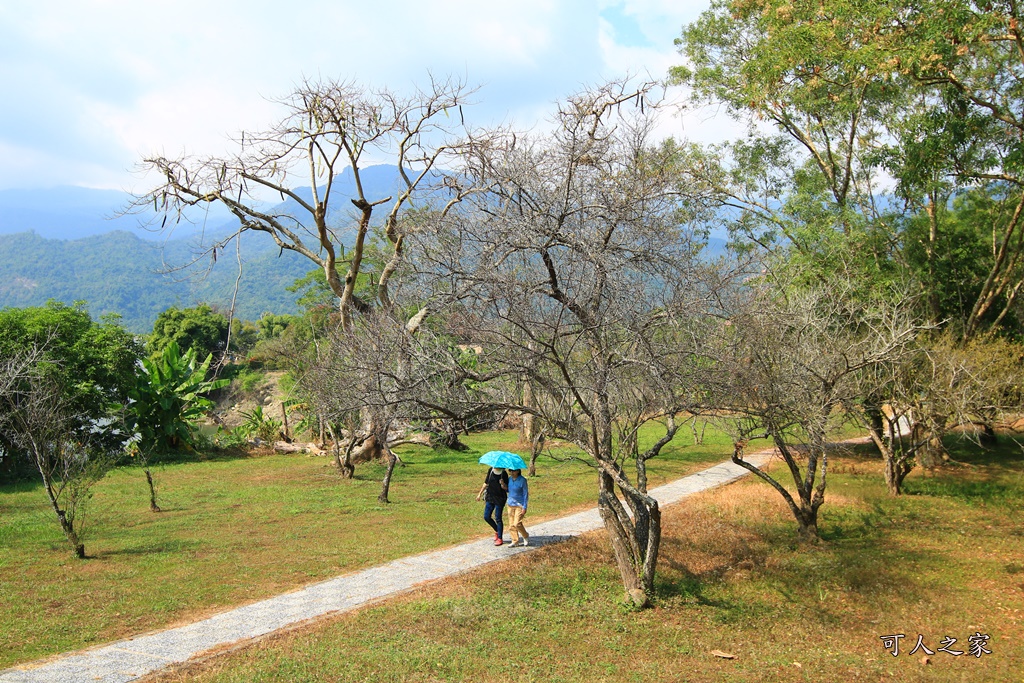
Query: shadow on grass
(854, 527)
(1005, 452)
(153, 547)
(971, 492)
(978, 474)
(748, 573)
(688, 585)
(22, 486)
(183, 457)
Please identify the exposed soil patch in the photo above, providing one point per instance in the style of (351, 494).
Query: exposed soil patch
(235, 401)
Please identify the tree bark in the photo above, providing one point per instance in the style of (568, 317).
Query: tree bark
(370, 449)
(988, 435)
(932, 452)
(284, 417)
(385, 488)
(635, 542)
(527, 433)
(808, 527)
(65, 524)
(535, 448)
(342, 462)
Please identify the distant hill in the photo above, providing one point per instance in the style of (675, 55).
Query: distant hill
(69, 213)
(120, 273)
(69, 244)
(66, 244)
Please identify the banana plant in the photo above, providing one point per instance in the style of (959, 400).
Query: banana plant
(168, 397)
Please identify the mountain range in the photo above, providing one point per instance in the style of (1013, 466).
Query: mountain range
(76, 244)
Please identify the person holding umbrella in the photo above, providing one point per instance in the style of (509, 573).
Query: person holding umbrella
(496, 488)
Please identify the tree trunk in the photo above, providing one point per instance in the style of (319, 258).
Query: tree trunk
(448, 437)
(806, 510)
(372, 448)
(876, 424)
(66, 525)
(153, 507)
(386, 484)
(897, 463)
(536, 446)
(348, 470)
(527, 433)
(934, 305)
(807, 519)
(635, 542)
(68, 528)
(932, 452)
(343, 462)
(284, 417)
(808, 527)
(988, 433)
(896, 470)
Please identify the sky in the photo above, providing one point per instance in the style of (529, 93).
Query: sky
(90, 86)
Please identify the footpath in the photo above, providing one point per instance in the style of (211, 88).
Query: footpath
(133, 658)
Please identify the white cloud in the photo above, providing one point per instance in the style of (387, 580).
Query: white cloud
(93, 84)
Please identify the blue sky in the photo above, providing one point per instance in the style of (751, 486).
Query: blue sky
(92, 85)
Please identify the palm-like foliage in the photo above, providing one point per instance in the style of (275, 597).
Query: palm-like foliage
(168, 398)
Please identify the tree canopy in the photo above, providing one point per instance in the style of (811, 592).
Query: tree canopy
(892, 120)
(93, 363)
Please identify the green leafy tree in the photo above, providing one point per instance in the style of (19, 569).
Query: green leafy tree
(93, 363)
(244, 336)
(169, 396)
(928, 92)
(199, 328)
(272, 326)
(314, 292)
(843, 96)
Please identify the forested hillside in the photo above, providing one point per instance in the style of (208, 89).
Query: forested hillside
(133, 273)
(120, 273)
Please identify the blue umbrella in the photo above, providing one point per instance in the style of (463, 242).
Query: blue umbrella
(503, 459)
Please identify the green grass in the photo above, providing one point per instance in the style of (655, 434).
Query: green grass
(237, 529)
(731, 578)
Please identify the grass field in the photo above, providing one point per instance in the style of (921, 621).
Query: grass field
(947, 559)
(235, 530)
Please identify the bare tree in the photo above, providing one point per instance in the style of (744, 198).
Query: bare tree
(36, 415)
(330, 126)
(946, 382)
(359, 374)
(583, 281)
(792, 363)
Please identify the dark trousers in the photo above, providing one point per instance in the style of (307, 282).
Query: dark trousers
(496, 521)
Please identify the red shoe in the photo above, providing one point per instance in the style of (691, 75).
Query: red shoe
(498, 541)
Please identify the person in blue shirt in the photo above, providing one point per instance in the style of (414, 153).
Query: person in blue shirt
(496, 489)
(518, 499)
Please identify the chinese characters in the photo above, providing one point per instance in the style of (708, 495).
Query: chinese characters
(977, 645)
